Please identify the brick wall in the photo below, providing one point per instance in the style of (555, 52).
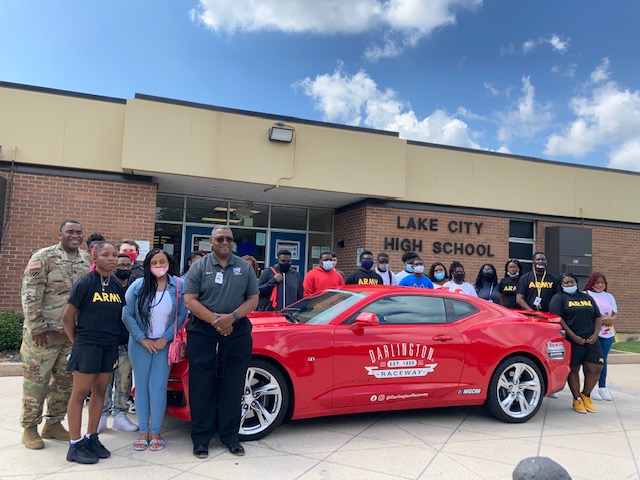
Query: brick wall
(615, 250)
(116, 209)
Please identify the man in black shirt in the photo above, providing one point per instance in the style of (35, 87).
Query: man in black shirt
(536, 288)
(280, 285)
(365, 274)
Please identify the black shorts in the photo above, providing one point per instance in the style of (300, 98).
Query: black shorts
(93, 358)
(586, 353)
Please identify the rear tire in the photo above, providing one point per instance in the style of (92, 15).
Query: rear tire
(516, 390)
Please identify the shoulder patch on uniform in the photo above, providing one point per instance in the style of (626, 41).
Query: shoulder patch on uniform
(33, 265)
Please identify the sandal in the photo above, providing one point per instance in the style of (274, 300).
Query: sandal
(156, 444)
(140, 444)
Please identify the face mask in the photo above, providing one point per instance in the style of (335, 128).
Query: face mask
(159, 271)
(383, 267)
(570, 290)
(418, 269)
(409, 268)
(123, 274)
(513, 274)
(438, 276)
(487, 276)
(284, 267)
(458, 277)
(367, 264)
(327, 265)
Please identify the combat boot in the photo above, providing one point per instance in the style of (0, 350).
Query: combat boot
(55, 431)
(32, 439)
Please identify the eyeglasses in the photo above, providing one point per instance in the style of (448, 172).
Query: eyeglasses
(223, 239)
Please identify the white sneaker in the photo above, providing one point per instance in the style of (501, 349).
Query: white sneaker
(605, 394)
(554, 395)
(122, 422)
(102, 425)
(594, 394)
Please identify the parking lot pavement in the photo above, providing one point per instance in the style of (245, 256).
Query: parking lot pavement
(453, 443)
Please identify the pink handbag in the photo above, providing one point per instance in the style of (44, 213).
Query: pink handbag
(178, 347)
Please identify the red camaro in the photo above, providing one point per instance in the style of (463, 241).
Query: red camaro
(368, 349)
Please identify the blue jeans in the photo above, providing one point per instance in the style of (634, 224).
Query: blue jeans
(151, 373)
(119, 389)
(606, 344)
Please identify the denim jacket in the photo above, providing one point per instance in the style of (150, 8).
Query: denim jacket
(131, 315)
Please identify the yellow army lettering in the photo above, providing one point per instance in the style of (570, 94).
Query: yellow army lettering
(106, 297)
(581, 303)
(541, 285)
(510, 288)
(368, 281)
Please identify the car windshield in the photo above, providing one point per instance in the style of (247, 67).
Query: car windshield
(322, 309)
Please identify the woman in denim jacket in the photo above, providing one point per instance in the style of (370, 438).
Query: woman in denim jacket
(149, 315)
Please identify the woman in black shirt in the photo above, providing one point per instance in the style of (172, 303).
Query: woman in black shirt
(581, 319)
(508, 286)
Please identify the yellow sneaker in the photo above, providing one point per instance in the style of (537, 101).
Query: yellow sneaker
(588, 404)
(578, 406)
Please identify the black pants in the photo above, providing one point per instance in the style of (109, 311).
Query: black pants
(217, 371)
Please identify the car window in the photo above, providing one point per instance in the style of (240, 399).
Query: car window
(458, 309)
(408, 309)
(322, 309)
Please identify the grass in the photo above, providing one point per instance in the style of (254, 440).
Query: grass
(633, 347)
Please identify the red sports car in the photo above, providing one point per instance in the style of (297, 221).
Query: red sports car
(366, 349)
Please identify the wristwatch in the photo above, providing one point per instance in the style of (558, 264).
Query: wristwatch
(235, 315)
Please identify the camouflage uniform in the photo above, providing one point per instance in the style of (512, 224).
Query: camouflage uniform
(46, 285)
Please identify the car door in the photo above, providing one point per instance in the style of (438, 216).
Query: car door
(412, 355)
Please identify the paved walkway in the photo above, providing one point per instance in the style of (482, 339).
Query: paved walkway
(451, 444)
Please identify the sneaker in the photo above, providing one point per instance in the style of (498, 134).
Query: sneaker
(102, 424)
(578, 406)
(554, 395)
(55, 431)
(595, 395)
(81, 452)
(588, 404)
(97, 447)
(32, 439)
(605, 394)
(132, 406)
(122, 422)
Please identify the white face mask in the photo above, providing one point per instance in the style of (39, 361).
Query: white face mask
(383, 267)
(327, 265)
(418, 269)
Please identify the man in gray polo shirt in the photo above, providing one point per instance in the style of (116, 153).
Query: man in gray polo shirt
(220, 291)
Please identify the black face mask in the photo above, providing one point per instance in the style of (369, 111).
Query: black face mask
(284, 267)
(458, 277)
(487, 276)
(123, 274)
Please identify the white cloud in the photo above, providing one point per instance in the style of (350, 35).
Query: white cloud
(356, 100)
(504, 149)
(607, 115)
(526, 118)
(407, 20)
(557, 44)
(508, 50)
(626, 156)
(492, 90)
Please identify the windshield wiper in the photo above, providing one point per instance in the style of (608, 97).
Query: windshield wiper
(289, 314)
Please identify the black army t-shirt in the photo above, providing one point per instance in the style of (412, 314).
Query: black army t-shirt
(99, 310)
(532, 285)
(360, 277)
(508, 286)
(578, 310)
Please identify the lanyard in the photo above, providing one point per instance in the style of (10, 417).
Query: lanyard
(161, 296)
(539, 288)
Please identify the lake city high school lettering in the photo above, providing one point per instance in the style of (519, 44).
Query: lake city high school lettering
(106, 297)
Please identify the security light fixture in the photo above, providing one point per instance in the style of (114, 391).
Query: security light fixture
(280, 133)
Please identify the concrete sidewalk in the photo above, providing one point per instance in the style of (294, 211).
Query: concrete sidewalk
(454, 443)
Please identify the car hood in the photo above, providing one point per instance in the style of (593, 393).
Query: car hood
(267, 319)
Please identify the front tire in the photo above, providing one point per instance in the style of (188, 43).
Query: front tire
(265, 400)
(515, 391)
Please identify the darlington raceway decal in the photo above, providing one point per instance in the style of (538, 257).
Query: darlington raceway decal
(401, 360)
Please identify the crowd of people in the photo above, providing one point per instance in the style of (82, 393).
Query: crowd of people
(95, 322)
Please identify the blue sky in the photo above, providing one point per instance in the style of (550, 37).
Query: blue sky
(552, 79)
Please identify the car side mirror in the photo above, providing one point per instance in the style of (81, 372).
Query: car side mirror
(365, 319)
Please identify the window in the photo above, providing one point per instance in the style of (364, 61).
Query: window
(322, 309)
(522, 242)
(202, 210)
(289, 218)
(457, 309)
(169, 208)
(248, 214)
(408, 309)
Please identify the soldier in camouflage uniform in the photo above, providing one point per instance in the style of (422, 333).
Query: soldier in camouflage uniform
(46, 284)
